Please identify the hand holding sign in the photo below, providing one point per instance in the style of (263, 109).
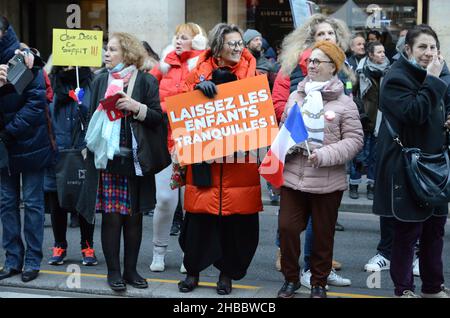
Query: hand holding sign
(240, 118)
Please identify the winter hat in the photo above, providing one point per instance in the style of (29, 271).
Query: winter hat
(250, 34)
(333, 51)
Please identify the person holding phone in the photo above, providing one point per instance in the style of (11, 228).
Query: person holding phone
(415, 100)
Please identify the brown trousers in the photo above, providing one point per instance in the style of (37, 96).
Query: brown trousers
(295, 208)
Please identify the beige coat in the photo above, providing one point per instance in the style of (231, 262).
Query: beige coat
(343, 139)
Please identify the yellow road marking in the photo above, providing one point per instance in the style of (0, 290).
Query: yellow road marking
(206, 284)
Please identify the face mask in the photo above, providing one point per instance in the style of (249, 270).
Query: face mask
(118, 68)
(414, 62)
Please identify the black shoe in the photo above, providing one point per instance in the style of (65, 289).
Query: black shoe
(339, 227)
(175, 229)
(8, 272)
(353, 191)
(188, 284)
(318, 292)
(117, 285)
(370, 193)
(137, 282)
(29, 275)
(288, 289)
(224, 285)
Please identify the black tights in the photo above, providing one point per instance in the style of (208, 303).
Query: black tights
(59, 224)
(112, 224)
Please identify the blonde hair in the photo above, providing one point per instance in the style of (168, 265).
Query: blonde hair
(296, 42)
(133, 50)
(192, 28)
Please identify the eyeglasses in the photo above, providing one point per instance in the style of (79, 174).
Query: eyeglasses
(316, 62)
(235, 44)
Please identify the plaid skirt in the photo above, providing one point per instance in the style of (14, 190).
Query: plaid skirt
(113, 195)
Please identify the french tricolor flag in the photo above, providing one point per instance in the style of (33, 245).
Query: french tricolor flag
(291, 133)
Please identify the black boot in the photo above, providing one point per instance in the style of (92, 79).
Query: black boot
(111, 232)
(132, 234)
(353, 191)
(370, 191)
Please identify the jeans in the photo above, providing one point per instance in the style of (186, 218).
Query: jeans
(366, 157)
(307, 248)
(33, 198)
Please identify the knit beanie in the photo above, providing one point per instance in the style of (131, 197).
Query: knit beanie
(250, 34)
(333, 51)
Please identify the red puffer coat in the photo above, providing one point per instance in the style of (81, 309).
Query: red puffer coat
(171, 73)
(236, 187)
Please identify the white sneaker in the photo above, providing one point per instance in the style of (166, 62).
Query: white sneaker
(377, 263)
(337, 280)
(305, 280)
(159, 252)
(183, 269)
(408, 294)
(444, 293)
(416, 270)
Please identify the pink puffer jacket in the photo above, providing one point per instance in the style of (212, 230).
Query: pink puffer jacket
(343, 139)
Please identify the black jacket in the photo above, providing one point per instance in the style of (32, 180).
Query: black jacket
(416, 106)
(142, 189)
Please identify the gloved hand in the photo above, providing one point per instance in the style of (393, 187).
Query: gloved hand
(208, 88)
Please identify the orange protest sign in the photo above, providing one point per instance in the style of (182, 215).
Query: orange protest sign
(240, 118)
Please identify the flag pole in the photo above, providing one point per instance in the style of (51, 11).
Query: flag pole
(307, 148)
(78, 77)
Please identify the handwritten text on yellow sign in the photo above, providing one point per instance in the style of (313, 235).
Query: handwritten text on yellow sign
(77, 47)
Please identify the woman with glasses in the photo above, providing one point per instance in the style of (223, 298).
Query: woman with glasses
(296, 49)
(222, 200)
(315, 174)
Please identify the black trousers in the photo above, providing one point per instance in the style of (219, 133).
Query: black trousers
(229, 243)
(59, 224)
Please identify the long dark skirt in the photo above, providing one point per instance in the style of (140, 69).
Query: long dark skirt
(229, 243)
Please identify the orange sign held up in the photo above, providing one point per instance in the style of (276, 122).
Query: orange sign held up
(240, 118)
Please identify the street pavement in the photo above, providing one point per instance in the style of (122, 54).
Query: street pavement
(353, 247)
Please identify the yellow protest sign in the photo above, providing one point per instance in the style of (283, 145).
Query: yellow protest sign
(74, 47)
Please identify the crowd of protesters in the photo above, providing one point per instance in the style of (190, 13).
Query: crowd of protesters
(349, 92)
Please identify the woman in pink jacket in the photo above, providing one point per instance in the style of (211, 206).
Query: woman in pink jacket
(178, 60)
(314, 184)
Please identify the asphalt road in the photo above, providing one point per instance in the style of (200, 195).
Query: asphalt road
(353, 248)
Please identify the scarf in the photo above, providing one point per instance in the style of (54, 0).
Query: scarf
(367, 69)
(117, 81)
(313, 117)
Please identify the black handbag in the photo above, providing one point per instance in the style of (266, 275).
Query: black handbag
(428, 175)
(70, 171)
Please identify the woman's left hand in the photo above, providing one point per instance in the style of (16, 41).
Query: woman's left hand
(314, 159)
(129, 104)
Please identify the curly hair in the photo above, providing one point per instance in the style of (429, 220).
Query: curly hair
(303, 37)
(216, 37)
(132, 48)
